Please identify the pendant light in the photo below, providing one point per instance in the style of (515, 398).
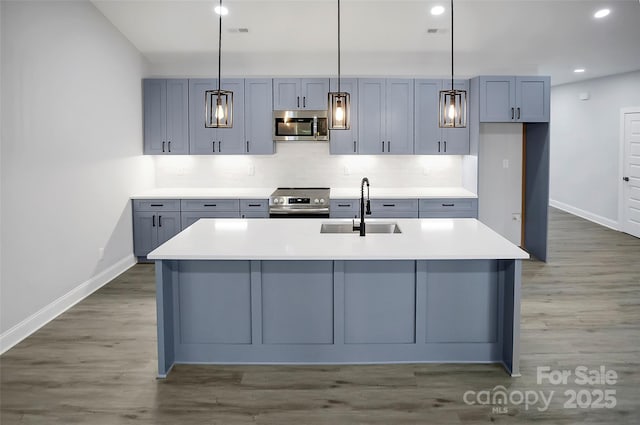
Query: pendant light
(219, 103)
(452, 109)
(339, 101)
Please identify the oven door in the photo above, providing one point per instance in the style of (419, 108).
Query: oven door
(299, 213)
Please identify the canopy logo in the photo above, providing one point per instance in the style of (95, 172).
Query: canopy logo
(500, 398)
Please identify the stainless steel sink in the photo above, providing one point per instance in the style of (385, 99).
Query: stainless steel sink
(370, 228)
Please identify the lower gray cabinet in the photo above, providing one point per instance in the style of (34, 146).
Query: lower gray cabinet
(154, 223)
(195, 209)
(449, 208)
(394, 208)
(254, 208)
(344, 208)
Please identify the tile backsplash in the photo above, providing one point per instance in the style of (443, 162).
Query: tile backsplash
(307, 164)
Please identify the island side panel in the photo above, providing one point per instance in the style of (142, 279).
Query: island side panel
(166, 273)
(512, 272)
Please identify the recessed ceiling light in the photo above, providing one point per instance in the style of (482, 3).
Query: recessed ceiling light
(579, 70)
(437, 10)
(221, 10)
(601, 13)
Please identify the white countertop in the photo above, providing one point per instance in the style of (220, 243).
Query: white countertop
(297, 239)
(336, 193)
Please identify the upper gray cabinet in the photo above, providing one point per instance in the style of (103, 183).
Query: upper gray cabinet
(166, 116)
(210, 141)
(258, 126)
(300, 93)
(385, 116)
(430, 139)
(345, 142)
(514, 99)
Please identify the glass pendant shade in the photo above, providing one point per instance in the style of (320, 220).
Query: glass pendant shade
(452, 109)
(339, 111)
(218, 109)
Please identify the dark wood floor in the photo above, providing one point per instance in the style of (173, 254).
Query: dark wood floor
(96, 363)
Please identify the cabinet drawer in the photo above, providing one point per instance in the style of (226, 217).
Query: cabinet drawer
(388, 207)
(449, 207)
(210, 205)
(344, 208)
(156, 205)
(248, 205)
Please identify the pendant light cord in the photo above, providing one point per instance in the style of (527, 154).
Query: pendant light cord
(451, 45)
(338, 46)
(220, 47)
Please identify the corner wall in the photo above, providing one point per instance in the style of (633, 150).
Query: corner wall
(585, 145)
(71, 156)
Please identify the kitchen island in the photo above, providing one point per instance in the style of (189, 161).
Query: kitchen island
(279, 291)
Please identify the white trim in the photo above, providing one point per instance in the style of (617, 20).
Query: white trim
(623, 112)
(598, 219)
(49, 312)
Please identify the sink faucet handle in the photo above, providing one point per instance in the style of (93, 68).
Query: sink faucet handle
(368, 207)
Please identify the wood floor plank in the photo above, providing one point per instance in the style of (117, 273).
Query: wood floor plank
(96, 363)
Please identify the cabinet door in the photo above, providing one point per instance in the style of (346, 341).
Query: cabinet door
(202, 140)
(168, 225)
(232, 139)
(455, 141)
(427, 131)
(315, 93)
(286, 94)
(258, 127)
(155, 112)
(177, 128)
(497, 99)
(145, 234)
(346, 141)
(399, 116)
(532, 99)
(371, 115)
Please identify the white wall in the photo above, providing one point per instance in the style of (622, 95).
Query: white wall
(71, 156)
(585, 145)
(500, 179)
(307, 164)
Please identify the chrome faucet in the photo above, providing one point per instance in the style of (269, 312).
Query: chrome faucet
(363, 211)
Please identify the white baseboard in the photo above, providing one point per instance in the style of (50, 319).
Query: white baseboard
(46, 314)
(603, 221)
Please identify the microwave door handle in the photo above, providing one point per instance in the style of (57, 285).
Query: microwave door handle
(315, 128)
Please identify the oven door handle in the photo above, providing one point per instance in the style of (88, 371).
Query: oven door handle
(299, 211)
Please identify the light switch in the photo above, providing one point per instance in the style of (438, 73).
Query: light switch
(251, 170)
(347, 170)
(505, 163)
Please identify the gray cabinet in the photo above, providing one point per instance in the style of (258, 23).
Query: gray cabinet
(448, 208)
(214, 141)
(345, 142)
(514, 99)
(257, 124)
(344, 208)
(300, 93)
(166, 117)
(385, 118)
(154, 223)
(195, 209)
(430, 139)
(394, 208)
(254, 208)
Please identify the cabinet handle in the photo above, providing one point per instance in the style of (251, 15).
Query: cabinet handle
(255, 205)
(389, 146)
(518, 112)
(298, 101)
(383, 146)
(448, 205)
(247, 146)
(157, 205)
(153, 222)
(169, 144)
(388, 205)
(213, 146)
(445, 146)
(159, 221)
(344, 205)
(210, 205)
(163, 146)
(219, 146)
(438, 146)
(304, 101)
(354, 146)
(511, 113)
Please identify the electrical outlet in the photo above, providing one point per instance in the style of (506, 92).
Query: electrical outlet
(251, 170)
(505, 163)
(347, 170)
(426, 171)
(181, 171)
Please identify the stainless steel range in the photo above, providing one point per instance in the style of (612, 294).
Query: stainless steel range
(299, 202)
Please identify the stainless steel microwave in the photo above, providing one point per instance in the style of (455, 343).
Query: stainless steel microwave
(300, 125)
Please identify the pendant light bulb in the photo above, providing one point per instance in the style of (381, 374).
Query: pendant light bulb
(219, 110)
(339, 112)
(451, 113)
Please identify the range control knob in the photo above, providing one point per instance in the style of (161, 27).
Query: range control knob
(316, 201)
(282, 200)
(276, 201)
(322, 200)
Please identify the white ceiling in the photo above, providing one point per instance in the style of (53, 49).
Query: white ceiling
(497, 36)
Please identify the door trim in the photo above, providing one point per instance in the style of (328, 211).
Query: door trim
(623, 112)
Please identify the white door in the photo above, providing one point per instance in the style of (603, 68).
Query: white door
(631, 175)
